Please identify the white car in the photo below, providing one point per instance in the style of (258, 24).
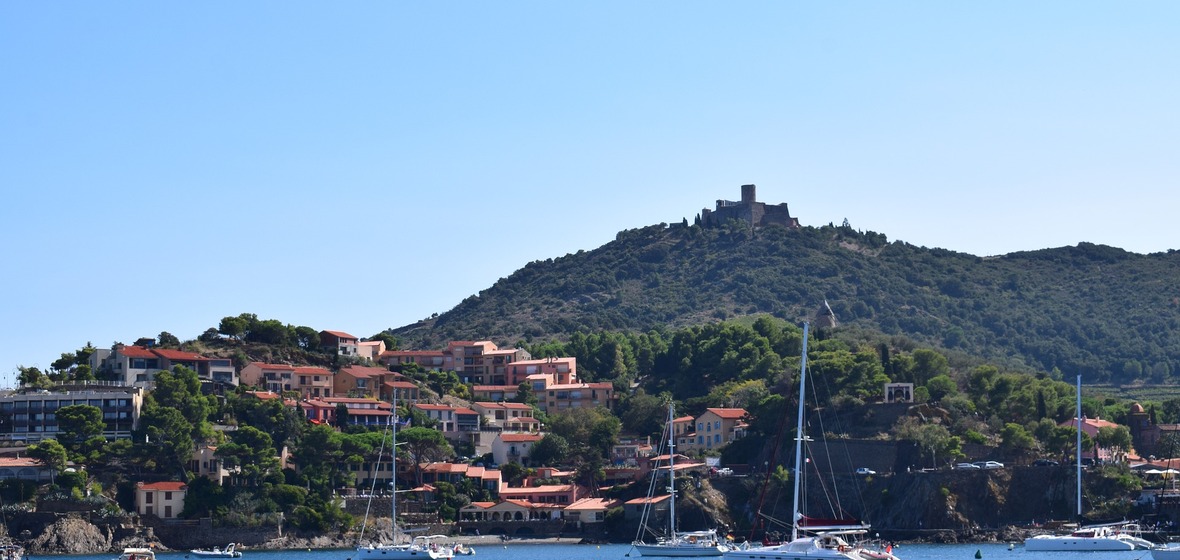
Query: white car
(989, 464)
(967, 466)
(865, 470)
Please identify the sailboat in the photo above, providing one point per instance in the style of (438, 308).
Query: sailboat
(420, 547)
(1093, 537)
(676, 543)
(810, 537)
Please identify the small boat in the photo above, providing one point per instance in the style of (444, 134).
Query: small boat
(11, 551)
(1167, 553)
(230, 551)
(138, 554)
(462, 550)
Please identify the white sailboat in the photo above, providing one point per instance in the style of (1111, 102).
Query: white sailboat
(676, 543)
(1093, 537)
(418, 548)
(813, 538)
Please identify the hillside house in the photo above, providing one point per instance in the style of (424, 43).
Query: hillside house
(339, 343)
(513, 447)
(161, 499)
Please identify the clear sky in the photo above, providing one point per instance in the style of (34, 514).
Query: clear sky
(360, 165)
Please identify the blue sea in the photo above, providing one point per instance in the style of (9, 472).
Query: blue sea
(525, 551)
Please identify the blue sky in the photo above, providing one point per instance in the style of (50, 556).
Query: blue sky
(360, 165)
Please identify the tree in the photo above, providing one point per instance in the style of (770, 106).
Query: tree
(168, 340)
(941, 386)
(78, 423)
(251, 451)
(1118, 437)
(234, 326)
(424, 445)
(167, 438)
(550, 450)
(1015, 438)
(180, 389)
(31, 377)
(51, 453)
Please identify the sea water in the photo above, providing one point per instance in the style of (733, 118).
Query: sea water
(527, 551)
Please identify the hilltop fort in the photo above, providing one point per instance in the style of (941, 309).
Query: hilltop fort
(749, 210)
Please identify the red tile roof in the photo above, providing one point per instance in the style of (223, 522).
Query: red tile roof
(178, 355)
(136, 352)
(341, 334)
(520, 437)
(312, 370)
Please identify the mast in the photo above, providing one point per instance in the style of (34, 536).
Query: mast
(1079, 448)
(393, 463)
(799, 436)
(671, 475)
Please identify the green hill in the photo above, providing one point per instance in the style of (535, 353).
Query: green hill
(1100, 311)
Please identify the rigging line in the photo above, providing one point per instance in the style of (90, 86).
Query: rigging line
(651, 487)
(373, 487)
(828, 444)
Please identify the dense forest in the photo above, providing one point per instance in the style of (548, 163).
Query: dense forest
(1093, 310)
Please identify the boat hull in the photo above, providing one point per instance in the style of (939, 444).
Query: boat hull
(1057, 544)
(1170, 553)
(401, 552)
(679, 550)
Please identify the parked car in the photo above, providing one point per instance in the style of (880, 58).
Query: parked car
(865, 470)
(967, 466)
(989, 464)
(1045, 463)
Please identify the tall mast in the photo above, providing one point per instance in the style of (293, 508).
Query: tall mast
(671, 475)
(393, 463)
(1079, 448)
(799, 436)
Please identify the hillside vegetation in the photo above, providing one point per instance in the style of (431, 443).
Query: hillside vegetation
(1093, 310)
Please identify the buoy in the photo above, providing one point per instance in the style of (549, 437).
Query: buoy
(978, 553)
(1011, 546)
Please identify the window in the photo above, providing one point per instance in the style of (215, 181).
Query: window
(167, 495)
(717, 424)
(147, 499)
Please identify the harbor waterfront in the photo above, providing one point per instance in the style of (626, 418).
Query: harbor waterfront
(494, 550)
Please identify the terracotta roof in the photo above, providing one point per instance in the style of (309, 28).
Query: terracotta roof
(15, 462)
(400, 385)
(136, 352)
(263, 395)
(164, 486)
(520, 437)
(728, 413)
(341, 334)
(647, 500)
(590, 504)
(367, 371)
(509, 388)
(176, 355)
(313, 370)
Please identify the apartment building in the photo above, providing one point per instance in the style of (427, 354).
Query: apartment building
(33, 413)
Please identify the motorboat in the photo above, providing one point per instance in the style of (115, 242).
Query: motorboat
(138, 554)
(230, 551)
(1166, 553)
